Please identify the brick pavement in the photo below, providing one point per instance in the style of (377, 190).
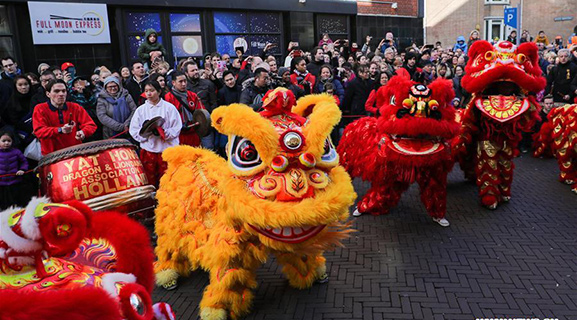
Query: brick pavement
(517, 261)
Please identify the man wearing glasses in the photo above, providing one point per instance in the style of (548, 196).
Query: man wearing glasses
(11, 70)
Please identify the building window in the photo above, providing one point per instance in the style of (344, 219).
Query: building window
(136, 25)
(181, 36)
(494, 29)
(6, 36)
(251, 30)
(186, 35)
(497, 2)
(337, 26)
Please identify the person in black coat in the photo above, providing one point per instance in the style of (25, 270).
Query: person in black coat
(18, 114)
(356, 95)
(314, 67)
(4, 98)
(254, 89)
(135, 84)
(560, 78)
(229, 94)
(410, 64)
(40, 95)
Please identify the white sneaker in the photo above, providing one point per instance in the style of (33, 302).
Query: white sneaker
(357, 213)
(493, 206)
(442, 222)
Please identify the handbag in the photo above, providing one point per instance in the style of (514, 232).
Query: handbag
(33, 150)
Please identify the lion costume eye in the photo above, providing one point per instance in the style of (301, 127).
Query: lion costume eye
(243, 154)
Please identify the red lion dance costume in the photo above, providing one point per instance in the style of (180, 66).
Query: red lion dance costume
(61, 261)
(408, 143)
(501, 79)
(558, 136)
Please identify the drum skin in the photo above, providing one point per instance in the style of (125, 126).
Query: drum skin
(104, 174)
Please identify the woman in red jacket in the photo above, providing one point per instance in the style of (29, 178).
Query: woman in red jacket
(301, 77)
(372, 105)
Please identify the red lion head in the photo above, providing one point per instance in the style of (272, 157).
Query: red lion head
(503, 76)
(417, 120)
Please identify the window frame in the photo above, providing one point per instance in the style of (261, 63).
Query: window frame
(11, 34)
(489, 22)
(497, 2)
(249, 33)
(166, 32)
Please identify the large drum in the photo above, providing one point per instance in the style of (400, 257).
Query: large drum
(103, 174)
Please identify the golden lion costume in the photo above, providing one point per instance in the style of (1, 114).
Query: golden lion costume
(281, 192)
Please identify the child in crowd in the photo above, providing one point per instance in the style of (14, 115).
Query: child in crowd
(12, 167)
(151, 51)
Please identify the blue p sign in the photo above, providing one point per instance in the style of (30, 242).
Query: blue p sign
(511, 17)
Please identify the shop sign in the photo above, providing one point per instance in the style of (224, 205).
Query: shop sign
(68, 23)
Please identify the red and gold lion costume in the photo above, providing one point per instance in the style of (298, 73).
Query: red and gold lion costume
(558, 137)
(281, 192)
(409, 142)
(62, 261)
(502, 79)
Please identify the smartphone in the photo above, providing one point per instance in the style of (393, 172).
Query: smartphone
(429, 46)
(221, 66)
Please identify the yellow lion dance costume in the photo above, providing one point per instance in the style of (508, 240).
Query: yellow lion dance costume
(281, 192)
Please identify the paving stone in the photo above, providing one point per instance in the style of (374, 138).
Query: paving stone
(517, 261)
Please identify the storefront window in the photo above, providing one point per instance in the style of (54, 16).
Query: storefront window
(184, 22)
(6, 43)
(254, 29)
(186, 34)
(183, 38)
(136, 25)
(337, 26)
(187, 46)
(140, 21)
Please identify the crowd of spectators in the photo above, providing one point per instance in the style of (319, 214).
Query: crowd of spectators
(59, 108)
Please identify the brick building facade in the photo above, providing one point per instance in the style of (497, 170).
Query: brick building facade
(405, 8)
(447, 19)
(404, 18)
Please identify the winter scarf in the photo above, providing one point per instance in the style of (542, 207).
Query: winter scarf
(121, 112)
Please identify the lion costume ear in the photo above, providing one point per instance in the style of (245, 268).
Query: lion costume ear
(442, 91)
(241, 120)
(323, 114)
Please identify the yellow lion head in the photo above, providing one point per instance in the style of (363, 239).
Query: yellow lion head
(286, 185)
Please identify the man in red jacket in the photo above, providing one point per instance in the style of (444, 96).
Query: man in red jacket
(59, 124)
(186, 102)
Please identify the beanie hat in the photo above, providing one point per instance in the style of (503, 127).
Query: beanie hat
(282, 71)
(111, 79)
(42, 65)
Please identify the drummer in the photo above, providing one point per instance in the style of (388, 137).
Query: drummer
(59, 124)
(186, 102)
(157, 135)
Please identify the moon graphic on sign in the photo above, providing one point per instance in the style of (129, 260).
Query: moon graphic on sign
(190, 45)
